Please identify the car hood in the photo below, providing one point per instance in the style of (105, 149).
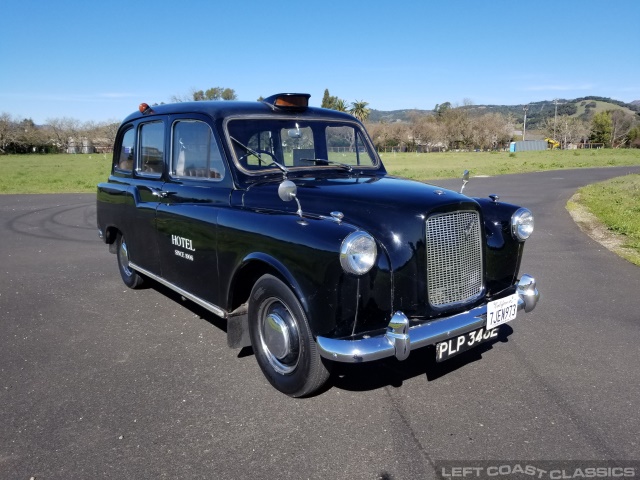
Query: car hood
(387, 207)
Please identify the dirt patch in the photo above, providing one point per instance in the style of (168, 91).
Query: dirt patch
(590, 225)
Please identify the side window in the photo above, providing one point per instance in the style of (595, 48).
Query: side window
(127, 151)
(195, 151)
(151, 158)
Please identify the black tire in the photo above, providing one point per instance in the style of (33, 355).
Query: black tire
(130, 277)
(282, 341)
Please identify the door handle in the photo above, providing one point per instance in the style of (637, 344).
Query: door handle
(161, 193)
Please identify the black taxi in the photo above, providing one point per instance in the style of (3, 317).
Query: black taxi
(281, 219)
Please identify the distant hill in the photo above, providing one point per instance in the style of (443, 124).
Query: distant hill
(584, 108)
(396, 115)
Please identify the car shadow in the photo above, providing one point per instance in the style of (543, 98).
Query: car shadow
(194, 308)
(358, 377)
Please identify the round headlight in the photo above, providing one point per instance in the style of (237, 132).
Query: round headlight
(358, 253)
(522, 224)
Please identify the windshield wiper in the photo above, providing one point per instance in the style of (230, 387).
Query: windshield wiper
(324, 161)
(249, 150)
(284, 169)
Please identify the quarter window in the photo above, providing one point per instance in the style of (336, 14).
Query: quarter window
(126, 156)
(151, 158)
(195, 151)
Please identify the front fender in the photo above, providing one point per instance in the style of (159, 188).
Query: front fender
(303, 254)
(503, 253)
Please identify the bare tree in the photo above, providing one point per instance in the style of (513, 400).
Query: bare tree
(398, 133)
(6, 130)
(19, 135)
(28, 136)
(621, 125)
(101, 135)
(379, 134)
(457, 128)
(425, 131)
(64, 131)
(386, 135)
(188, 97)
(567, 129)
(491, 130)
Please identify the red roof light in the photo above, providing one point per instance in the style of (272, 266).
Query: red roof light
(145, 109)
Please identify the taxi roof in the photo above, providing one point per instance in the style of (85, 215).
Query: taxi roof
(217, 109)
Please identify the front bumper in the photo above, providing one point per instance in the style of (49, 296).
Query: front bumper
(400, 339)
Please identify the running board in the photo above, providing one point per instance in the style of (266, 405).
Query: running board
(197, 300)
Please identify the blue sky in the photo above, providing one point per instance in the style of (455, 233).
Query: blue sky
(97, 61)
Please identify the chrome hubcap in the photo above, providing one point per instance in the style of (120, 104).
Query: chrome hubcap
(276, 336)
(279, 337)
(123, 253)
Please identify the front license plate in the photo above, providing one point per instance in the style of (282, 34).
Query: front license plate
(454, 346)
(502, 311)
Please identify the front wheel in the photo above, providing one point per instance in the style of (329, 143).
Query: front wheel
(282, 341)
(130, 277)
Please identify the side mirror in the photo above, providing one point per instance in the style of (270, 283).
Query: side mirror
(287, 190)
(465, 180)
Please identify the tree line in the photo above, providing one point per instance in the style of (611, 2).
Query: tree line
(69, 135)
(447, 127)
(455, 128)
(58, 135)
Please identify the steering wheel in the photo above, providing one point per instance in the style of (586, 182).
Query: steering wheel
(243, 157)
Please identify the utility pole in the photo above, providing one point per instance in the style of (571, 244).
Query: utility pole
(555, 119)
(524, 128)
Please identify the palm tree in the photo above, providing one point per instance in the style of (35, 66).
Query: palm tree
(359, 110)
(340, 105)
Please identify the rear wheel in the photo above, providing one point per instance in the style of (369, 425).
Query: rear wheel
(130, 277)
(282, 341)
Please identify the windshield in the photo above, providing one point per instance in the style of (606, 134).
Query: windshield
(268, 143)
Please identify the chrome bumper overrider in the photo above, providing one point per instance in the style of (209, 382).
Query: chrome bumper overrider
(400, 339)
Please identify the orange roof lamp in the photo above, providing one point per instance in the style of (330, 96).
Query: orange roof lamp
(288, 101)
(145, 109)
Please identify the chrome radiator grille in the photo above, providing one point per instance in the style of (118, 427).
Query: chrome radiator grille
(454, 258)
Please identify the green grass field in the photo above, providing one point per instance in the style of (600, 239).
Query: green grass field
(61, 173)
(430, 166)
(66, 173)
(616, 203)
(620, 209)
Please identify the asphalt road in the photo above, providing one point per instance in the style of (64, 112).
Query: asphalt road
(99, 381)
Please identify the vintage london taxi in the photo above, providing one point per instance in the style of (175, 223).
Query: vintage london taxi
(281, 219)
